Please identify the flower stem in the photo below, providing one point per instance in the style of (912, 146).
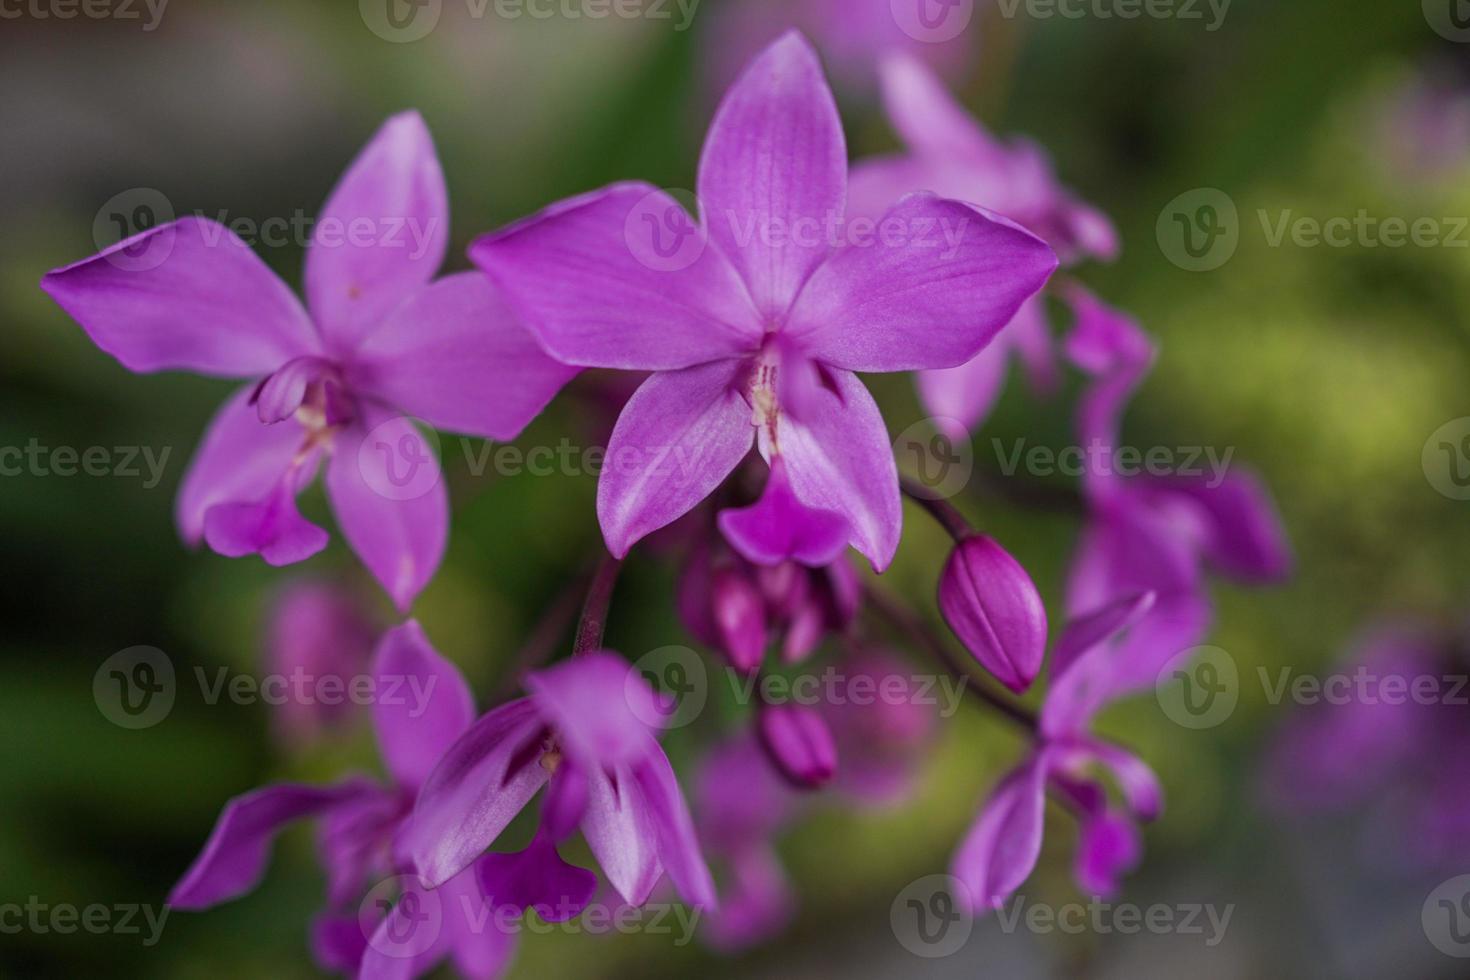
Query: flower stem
(593, 624)
(908, 622)
(940, 509)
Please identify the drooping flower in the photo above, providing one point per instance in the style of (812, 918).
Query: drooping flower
(1002, 847)
(376, 342)
(421, 706)
(755, 319)
(1154, 533)
(586, 732)
(948, 152)
(320, 633)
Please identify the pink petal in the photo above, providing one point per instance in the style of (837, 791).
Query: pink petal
(1002, 847)
(456, 356)
(620, 833)
(1108, 846)
(271, 527)
(1244, 537)
(202, 302)
(240, 459)
(678, 846)
(389, 499)
(967, 393)
(479, 786)
(599, 708)
(935, 283)
(582, 278)
(798, 741)
(778, 527)
(422, 704)
(234, 857)
(758, 901)
(381, 235)
(773, 174)
(991, 604)
(536, 878)
(480, 947)
(739, 618)
(1082, 664)
(928, 118)
(840, 459)
(677, 439)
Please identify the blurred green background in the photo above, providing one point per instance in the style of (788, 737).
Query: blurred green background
(1326, 368)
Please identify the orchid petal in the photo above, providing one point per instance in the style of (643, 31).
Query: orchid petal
(778, 527)
(773, 174)
(581, 278)
(840, 459)
(678, 845)
(1004, 843)
(201, 302)
(936, 283)
(381, 235)
(423, 704)
(456, 356)
(599, 707)
(536, 878)
(388, 496)
(620, 833)
(677, 439)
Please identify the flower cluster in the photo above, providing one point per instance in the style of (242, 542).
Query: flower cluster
(750, 443)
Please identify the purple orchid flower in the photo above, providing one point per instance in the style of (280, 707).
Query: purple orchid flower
(423, 706)
(1155, 534)
(950, 153)
(1003, 845)
(756, 321)
(380, 341)
(585, 732)
(316, 630)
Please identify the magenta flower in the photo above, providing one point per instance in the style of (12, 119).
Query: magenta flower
(423, 705)
(993, 607)
(1155, 534)
(1003, 845)
(316, 631)
(950, 153)
(586, 733)
(755, 320)
(379, 341)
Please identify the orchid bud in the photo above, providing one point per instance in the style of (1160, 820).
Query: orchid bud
(740, 618)
(800, 744)
(993, 607)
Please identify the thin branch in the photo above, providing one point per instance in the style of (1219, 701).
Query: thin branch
(593, 624)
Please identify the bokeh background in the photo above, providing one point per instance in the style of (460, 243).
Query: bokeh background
(1327, 368)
